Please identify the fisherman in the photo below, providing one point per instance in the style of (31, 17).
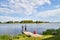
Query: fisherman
(22, 29)
(25, 27)
(35, 32)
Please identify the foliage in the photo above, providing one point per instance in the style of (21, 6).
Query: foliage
(0, 22)
(55, 32)
(9, 22)
(5, 37)
(39, 22)
(49, 32)
(16, 22)
(26, 21)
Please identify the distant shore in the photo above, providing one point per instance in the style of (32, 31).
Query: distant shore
(23, 22)
(26, 22)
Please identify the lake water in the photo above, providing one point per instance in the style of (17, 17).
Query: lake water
(17, 28)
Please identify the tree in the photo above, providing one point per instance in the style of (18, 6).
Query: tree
(9, 22)
(26, 21)
(49, 32)
(0, 22)
(39, 22)
(16, 22)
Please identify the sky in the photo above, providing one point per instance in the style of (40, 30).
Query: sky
(42, 10)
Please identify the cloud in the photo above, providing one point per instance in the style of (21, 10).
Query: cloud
(22, 6)
(57, 6)
(49, 13)
(26, 9)
(8, 18)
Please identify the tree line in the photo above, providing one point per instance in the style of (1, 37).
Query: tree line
(25, 21)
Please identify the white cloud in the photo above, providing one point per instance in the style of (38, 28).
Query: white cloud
(27, 5)
(49, 13)
(57, 6)
(6, 11)
(7, 18)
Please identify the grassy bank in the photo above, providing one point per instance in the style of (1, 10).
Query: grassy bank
(23, 37)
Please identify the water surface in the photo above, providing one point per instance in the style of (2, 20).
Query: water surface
(17, 28)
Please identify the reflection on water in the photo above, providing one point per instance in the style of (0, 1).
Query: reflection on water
(16, 28)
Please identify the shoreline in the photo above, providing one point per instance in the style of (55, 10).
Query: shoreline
(20, 23)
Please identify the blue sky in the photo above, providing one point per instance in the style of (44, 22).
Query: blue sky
(42, 10)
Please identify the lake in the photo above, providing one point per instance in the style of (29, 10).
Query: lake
(17, 28)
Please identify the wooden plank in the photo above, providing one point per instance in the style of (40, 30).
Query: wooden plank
(31, 34)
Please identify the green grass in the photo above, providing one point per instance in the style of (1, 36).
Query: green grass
(25, 37)
(46, 36)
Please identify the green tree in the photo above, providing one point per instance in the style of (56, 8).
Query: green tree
(0, 22)
(16, 22)
(49, 32)
(9, 22)
(26, 21)
(38, 22)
